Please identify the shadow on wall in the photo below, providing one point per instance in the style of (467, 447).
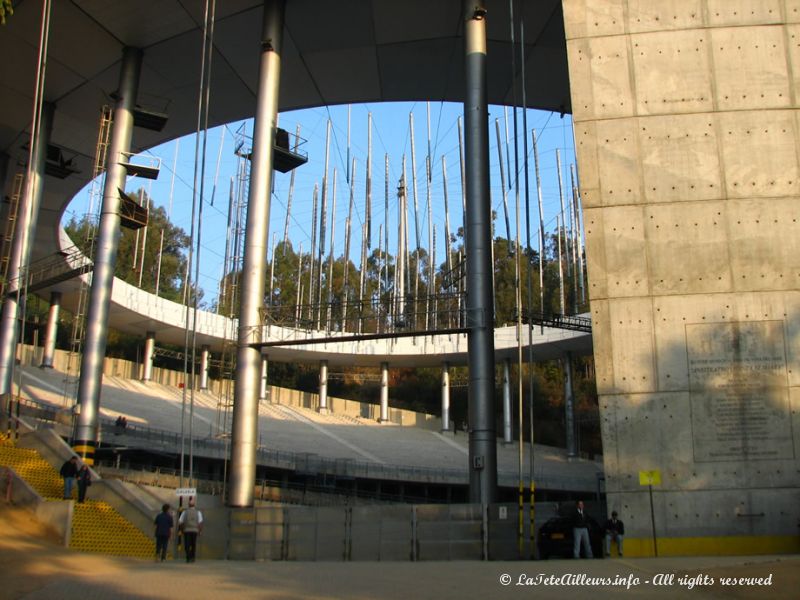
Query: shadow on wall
(719, 429)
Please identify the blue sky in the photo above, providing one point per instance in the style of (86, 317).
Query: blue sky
(390, 134)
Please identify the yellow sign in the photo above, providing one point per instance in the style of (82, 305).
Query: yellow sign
(650, 477)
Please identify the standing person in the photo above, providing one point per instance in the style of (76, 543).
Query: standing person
(69, 471)
(615, 530)
(164, 524)
(84, 481)
(580, 532)
(191, 524)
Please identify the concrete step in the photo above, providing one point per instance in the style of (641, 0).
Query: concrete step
(34, 469)
(98, 528)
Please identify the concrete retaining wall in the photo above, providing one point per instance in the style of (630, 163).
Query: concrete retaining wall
(687, 138)
(355, 409)
(117, 367)
(56, 515)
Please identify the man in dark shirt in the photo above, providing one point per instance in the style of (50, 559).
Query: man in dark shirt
(580, 533)
(164, 524)
(69, 471)
(615, 530)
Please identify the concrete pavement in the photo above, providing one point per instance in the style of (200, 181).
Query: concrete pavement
(32, 567)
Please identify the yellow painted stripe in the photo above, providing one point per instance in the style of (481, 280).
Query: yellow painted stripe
(88, 460)
(733, 545)
(82, 448)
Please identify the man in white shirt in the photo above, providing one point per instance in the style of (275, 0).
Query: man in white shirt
(190, 524)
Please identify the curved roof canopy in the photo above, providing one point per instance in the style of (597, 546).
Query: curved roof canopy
(334, 52)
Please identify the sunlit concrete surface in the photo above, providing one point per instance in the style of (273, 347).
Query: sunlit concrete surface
(300, 430)
(33, 568)
(687, 142)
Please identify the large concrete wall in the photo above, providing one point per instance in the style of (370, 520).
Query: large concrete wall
(687, 136)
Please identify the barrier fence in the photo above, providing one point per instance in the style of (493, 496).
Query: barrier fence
(378, 533)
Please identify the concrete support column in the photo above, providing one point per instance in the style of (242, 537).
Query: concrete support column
(105, 260)
(149, 352)
(323, 386)
(204, 352)
(446, 397)
(478, 241)
(264, 380)
(49, 352)
(19, 259)
(384, 392)
(507, 401)
(569, 406)
(245, 409)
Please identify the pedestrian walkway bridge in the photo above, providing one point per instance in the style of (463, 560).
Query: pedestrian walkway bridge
(135, 311)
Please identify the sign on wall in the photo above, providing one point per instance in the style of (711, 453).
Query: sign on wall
(739, 391)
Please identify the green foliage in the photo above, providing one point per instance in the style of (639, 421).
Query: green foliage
(6, 10)
(138, 253)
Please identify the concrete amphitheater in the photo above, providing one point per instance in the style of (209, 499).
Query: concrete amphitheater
(410, 448)
(687, 142)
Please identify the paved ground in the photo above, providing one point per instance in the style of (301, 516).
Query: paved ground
(33, 567)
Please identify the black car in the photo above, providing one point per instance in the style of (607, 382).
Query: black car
(556, 539)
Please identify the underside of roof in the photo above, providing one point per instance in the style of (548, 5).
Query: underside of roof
(347, 51)
(334, 52)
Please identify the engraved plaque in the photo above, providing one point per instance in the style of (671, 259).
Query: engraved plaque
(739, 392)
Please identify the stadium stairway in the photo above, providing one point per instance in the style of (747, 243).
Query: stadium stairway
(96, 526)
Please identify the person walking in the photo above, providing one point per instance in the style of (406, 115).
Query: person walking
(69, 471)
(84, 481)
(164, 524)
(580, 533)
(190, 524)
(615, 530)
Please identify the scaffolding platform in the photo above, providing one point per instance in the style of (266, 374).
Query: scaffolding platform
(287, 152)
(144, 167)
(132, 214)
(149, 119)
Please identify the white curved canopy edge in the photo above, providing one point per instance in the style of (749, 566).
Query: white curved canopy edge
(334, 52)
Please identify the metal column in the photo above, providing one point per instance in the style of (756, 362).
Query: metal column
(569, 405)
(323, 386)
(149, 352)
(19, 259)
(204, 352)
(384, 392)
(507, 401)
(245, 408)
(446, 397)
(49, 352)
(105, 259)
(478, 241)
(263, 381)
